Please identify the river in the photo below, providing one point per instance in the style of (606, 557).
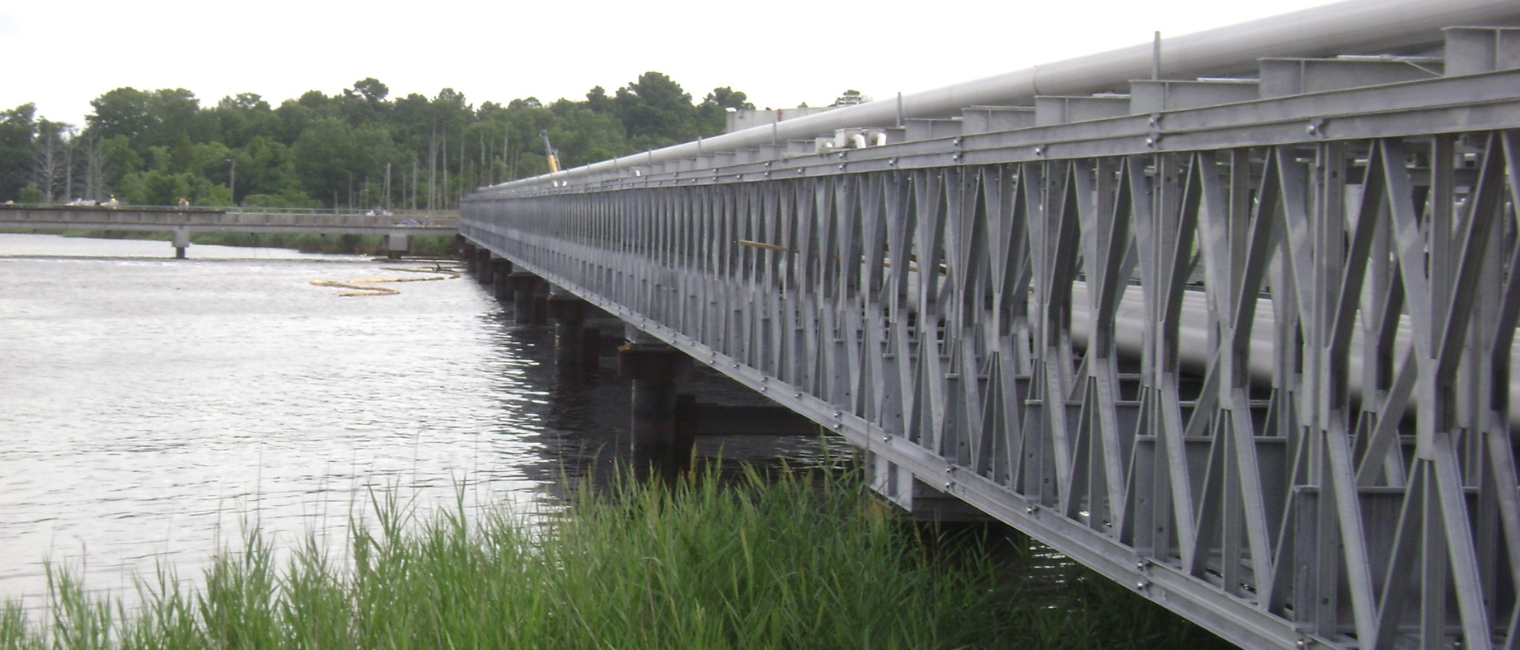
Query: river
(149, 407)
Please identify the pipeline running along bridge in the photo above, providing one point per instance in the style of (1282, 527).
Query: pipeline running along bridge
(1228, 320)
(397, 227)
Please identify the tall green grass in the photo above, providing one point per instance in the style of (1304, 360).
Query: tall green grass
(697, 562)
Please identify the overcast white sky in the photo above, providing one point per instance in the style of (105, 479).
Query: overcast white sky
(60, 54)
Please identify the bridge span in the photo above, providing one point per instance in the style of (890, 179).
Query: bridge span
(397, 227)
(1228, 320)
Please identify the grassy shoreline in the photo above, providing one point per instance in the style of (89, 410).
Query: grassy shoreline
(697, 562)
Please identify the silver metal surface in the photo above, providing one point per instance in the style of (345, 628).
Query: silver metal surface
(1252, 359)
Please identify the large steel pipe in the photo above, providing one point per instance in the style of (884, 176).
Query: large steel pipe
(1357, 26)
(1130, 323)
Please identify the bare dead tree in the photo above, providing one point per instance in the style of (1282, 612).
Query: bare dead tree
(48, 160)
(94, 168)
(69, 145)
(432, 185)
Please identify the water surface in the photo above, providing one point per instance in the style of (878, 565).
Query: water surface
(150, 405)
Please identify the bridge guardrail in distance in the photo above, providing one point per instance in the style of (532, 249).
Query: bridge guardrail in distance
(152, 217)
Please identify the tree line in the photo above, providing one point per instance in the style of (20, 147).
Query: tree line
(358, 148)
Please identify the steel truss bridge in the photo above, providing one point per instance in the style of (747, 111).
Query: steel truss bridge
(1236, 335)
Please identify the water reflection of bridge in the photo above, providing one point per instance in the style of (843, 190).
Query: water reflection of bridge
(396, 226)
(1238, 338)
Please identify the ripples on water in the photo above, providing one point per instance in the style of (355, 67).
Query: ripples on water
(149, 405)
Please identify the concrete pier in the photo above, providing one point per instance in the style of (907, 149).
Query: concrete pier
(181, 242)
(569, 315)
(500, 286)
(591, 349)
(483, 266)
(655, 369)
(524, 288)
(467, 251)
(397, 244)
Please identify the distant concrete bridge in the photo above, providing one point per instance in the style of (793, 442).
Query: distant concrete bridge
(397, 227)
(1230, 322)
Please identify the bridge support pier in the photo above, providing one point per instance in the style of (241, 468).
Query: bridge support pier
(397, 244)
(569, 315)
(524, 294)
(467, 251)
(483, 266)
(500, 287)
(654, 368)
(181, 242)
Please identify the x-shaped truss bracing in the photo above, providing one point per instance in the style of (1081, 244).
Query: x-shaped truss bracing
(1259, 373)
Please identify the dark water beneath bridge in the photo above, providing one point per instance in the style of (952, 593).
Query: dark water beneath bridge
(148, 405)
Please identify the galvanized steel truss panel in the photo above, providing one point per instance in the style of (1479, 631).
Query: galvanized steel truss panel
(1252, 361)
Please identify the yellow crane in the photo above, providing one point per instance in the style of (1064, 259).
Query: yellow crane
(549, 152)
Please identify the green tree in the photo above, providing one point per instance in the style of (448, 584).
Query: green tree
(597, 100)
(359, 145)
(17, 128)
(331, 157)
(713, 112)
(121, 159)
(124, 113)
(584, 136)
(241, 118)
(158, 119)
(655, 112)
(365, 102)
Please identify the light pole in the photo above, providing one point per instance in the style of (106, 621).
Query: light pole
(232, 182)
